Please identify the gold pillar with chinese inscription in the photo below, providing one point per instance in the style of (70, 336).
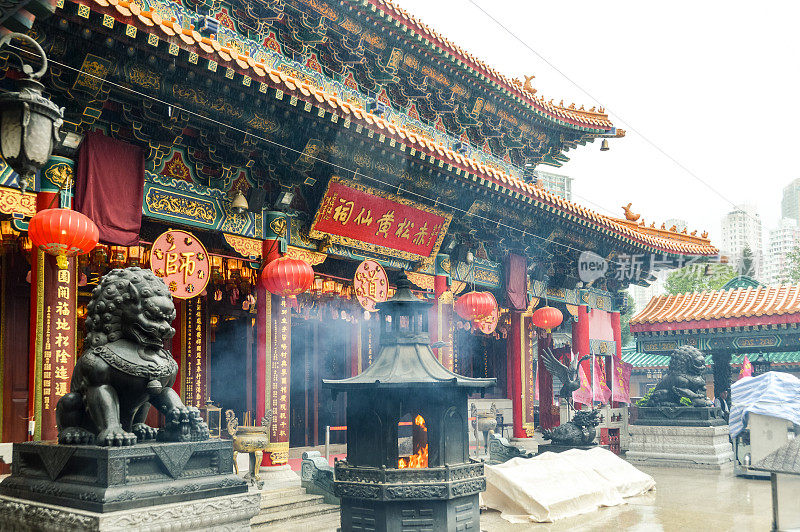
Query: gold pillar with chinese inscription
(53, 329)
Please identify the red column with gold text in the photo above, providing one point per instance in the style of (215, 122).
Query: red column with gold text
(273, 348)
(53, 308)
(516, 341)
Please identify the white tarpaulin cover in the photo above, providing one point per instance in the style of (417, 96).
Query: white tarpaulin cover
(773, 393)
(553, 486)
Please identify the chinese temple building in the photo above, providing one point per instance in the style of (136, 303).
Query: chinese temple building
(207, 140)
(760, 322)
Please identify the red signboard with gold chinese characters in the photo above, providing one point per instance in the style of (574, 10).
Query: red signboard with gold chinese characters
(366, 219)
(181, 260)
(370, 284)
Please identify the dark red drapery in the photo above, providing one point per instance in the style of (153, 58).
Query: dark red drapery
(516, 274)
(109, 185)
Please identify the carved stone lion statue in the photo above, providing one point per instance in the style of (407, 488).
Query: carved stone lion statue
(684, 378)
(125, 368)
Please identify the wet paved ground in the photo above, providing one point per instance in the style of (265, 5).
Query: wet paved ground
(684, 500)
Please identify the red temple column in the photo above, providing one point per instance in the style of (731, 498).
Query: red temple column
(616, 327)
(580, 338)
(442, 312)
(546, 418)
(53, 312)
(516, 339)
(273, 337)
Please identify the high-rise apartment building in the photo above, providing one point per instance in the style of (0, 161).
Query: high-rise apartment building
(556, 183)
(741, 228)
(790, 204)
(782, 241)
(678, 223)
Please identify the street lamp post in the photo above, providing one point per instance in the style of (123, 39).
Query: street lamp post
(29, 121)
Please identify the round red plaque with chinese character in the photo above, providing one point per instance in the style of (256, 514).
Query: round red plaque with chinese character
(370, 284)
(181, 260)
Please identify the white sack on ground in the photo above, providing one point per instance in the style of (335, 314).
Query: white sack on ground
(557, 485)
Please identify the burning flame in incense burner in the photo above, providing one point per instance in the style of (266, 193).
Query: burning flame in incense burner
(420, 458)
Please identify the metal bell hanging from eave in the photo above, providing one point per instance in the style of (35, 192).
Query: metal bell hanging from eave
(604, 145)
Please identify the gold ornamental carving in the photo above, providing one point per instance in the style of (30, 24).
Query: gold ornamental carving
(312, 257)
(60, 174)
(444, 264)
(421, 280)
(16, 202)
(278, 226)
(247, 247)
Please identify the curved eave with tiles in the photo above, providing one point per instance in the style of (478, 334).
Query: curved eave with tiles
(148, 21)
(561, 115)
(646, 361)
(763, 305)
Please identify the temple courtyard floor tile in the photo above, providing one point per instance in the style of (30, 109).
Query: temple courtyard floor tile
(684, 499)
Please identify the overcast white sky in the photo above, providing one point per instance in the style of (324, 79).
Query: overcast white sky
(714, 84)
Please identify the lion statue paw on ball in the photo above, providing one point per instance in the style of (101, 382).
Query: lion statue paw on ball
(125, 368)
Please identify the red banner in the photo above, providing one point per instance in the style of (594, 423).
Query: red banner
(601, 391)
(622, 381)
(362, 218)
(747, 368)
(583, 394)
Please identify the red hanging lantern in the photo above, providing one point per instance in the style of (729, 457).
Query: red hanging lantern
(287, 276)
(547, 318)
(475, 306)
(63, 232)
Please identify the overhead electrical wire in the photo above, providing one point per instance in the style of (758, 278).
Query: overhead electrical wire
(436, 201)
(627, 124)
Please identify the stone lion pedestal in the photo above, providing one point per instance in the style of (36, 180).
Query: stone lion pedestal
(681, 436)
(151, 486)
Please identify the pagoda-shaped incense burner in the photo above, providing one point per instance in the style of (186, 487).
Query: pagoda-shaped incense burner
(408, 465)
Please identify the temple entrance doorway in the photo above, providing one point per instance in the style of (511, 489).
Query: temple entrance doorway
(321, 349)
(231, 359)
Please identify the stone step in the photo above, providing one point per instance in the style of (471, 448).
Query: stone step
(319, 523)
(287, 503)
(282, 493)
(268, 518)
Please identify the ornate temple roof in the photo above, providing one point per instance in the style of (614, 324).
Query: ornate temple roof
(498, 180)
(644, 361)
(514, 89)
(720, 308)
